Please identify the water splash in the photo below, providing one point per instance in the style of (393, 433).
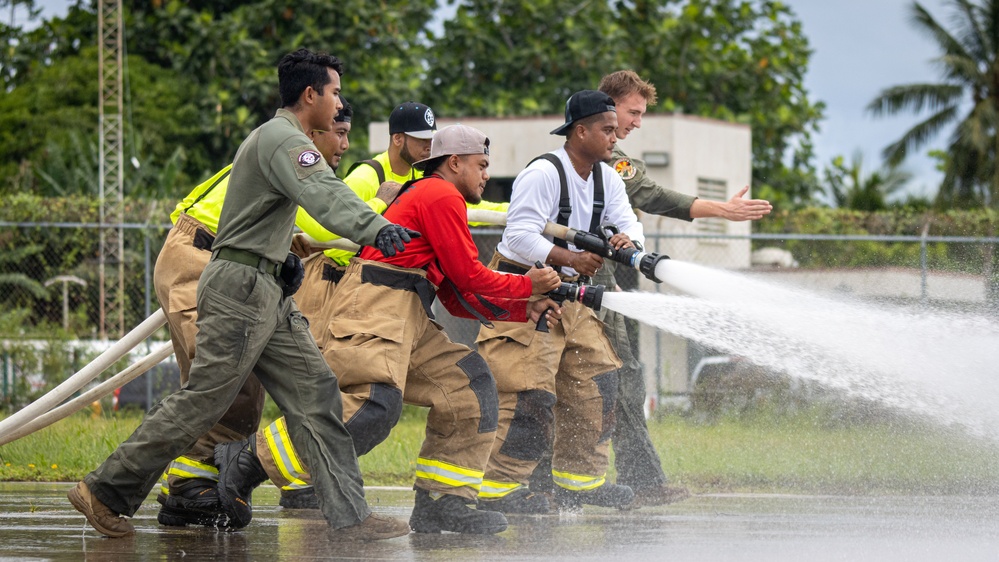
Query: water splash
(933, 363)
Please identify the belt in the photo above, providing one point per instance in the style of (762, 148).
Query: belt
(507, 267)
(244, 257)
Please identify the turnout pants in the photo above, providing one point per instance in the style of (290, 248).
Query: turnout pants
(387, 351)
(244, 323)
(635, 457)
(185, 254)
(556, 391)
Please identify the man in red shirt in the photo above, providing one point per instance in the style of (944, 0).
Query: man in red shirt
(386, 350)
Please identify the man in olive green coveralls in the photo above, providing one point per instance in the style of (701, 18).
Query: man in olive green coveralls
(247, 321)
(635, 457)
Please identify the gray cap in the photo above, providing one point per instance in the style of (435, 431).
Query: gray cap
(456, 139)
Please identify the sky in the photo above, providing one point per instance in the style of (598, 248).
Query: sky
(860, 48)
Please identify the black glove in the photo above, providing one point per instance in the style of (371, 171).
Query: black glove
(292, 273)
(393, 238)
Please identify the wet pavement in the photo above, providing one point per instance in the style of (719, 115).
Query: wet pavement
(38, 523)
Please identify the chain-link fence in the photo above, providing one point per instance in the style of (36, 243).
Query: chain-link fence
(49, 286)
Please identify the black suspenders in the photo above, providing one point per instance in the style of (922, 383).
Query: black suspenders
(565, 206)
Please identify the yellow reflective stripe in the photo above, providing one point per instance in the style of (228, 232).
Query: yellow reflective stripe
(164, 484)
(492, 489)
(446, 473)
(577, 482)
(185, 467)
(279, 444)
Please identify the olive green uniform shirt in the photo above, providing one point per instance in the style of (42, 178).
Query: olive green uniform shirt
(644, 193)
(276, 170)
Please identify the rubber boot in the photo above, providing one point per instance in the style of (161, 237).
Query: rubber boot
(608, 495)
(436, 512)
(521, 500)
(193, 501)
(239, 473)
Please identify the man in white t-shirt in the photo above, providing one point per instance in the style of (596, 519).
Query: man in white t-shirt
(558, 389)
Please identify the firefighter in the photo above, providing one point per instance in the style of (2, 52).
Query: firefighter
(557, 389)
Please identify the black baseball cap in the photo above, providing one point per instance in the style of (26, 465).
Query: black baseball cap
(414, 119)
(346, 113)
(581, 105)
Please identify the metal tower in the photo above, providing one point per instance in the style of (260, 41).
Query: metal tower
(111, 171)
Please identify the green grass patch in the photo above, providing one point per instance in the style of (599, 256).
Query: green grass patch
(803, 453)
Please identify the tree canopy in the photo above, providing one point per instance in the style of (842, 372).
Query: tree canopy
(202, 74)
(967, 98)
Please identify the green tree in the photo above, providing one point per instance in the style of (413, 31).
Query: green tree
(519, 57)
(969, 64)
(737, 60)
(851, 188)
(48, 128)
(231, 50)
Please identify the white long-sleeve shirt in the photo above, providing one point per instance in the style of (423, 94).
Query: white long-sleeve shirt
(534, 203)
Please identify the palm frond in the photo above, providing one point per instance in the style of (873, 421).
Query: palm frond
(927, 24)
(914, 97)
(918, 135)
(967, 18)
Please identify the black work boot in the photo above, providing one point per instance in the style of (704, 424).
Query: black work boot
(304, 498)
(521, 500)
(239, 473)
(657, 495)
(607, 495)
(193, 501)
(436, 512)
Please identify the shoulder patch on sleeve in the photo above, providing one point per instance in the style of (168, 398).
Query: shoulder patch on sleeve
(625, 168)
(307, 160)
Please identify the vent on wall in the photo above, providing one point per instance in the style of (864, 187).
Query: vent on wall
(714, 190)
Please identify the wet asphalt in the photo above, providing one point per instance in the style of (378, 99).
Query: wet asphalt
(38, 523)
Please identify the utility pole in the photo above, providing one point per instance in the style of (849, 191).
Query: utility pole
(111, 171)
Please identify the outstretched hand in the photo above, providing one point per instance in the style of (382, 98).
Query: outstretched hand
(739, 209)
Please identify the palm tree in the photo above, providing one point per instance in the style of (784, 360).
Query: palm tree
(969, 62)
(851, 188)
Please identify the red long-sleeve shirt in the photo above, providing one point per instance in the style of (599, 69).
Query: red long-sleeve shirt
(435, 208)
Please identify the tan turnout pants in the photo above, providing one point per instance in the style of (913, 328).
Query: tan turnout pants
(555, 390)
(385, 350)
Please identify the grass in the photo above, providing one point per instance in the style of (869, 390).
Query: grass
(802, 453)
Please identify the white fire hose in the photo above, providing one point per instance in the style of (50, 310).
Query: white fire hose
(74, 383)
(96, 393)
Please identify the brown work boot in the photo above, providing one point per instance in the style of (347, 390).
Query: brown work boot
(657, 495)
(99, 515)
(375, 527)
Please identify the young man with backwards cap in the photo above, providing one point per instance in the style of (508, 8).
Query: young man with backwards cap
(391, 352)
(557, 389)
